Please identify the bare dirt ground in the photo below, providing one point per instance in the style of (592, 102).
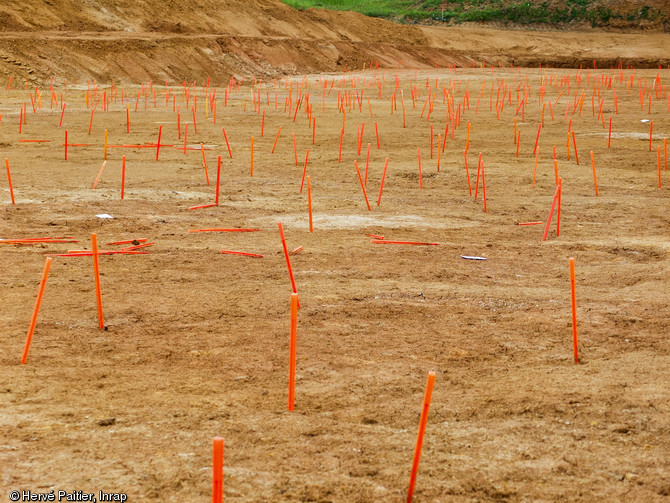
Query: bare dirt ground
(196, 342)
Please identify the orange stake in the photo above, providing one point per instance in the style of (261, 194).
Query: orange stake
(123, 176)
(293, 342)
(304, 171)
(230, 152)
(276, 138)
(659, 167)
(288, 260)
(422, 430)
(309, 204)
(295, 150)
(204, 162)
(360, 179)
(95, 184)
(36, 309)
(574, 143)
(381, 186)
(252, 156)
(217, 470)
(593, 165)
(96, 270)
(218, 179)
(9, 180)
(574, 309)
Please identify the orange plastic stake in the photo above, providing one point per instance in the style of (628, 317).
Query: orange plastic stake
(204, 162)
(36, 309)
(288, 260)
(104, 163)
(225, 136)
(276, 138)
(479, 169)
(158, 145)
(555, 167)
(304, 171)
(245, 254)
(360, 179)
(295, 149)
(309, 204)
(217, 470)
(574, 143)
(659, 167)
(484, 186)
(252, 156)
(296, 251)
(381, 186)
(367, 163)
(439, 150)
(467, 140)
(96, 271)
(65, 144)
(377, 135)
(195, 127)
(123, 176)
(339, 157)
(551, 213)
(595, 180)
(537, 138)
(418, 153)
(431, 141)
(293, 342)
(185, 136)
(574, 310)
(218, 179)
(467, 171)
(422, 430)
(9, 180)
(609, 136)
(558, 209)
(105, 152)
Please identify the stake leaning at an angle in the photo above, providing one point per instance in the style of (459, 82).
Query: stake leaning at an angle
(96, 271)
(33, 320)
(422, 431)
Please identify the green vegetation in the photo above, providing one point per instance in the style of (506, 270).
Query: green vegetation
(459, 11)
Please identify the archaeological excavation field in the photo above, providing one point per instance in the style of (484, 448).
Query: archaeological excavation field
(434, 273)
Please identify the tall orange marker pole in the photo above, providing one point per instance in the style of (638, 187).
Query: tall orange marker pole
(309, 204)
(293, 342)
(574, 309)
(422, 430)
(96, 270)
(288, 260)
(123, 176)
(593, 165)
(9, 180)
(36, 309)
(217, 470)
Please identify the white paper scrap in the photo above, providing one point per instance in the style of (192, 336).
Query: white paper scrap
(104, 215)
(473, 258)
